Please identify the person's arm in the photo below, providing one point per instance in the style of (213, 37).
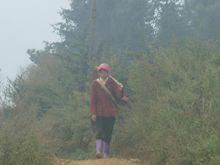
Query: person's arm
(93, 101)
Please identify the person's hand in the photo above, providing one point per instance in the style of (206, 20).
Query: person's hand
(125, 98)
(93, 117)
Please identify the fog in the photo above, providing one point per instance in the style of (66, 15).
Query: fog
(25, 24)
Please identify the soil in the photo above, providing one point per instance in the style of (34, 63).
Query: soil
(110, 161)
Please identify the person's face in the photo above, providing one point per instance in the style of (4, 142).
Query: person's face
(103, 73)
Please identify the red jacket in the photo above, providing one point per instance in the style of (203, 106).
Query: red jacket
(101, 103)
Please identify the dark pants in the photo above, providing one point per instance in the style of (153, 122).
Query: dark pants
(104, 128)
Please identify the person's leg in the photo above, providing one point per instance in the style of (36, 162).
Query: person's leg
(99, 137)
(99, 148)
(108, 129)
(106, 149)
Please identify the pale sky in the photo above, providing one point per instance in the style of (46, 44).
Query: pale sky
(25, 24)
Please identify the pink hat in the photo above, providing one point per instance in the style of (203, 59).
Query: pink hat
(104, 66)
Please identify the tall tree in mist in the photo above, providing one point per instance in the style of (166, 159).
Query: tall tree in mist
(171, 24)
(203, 17)
(113, 26)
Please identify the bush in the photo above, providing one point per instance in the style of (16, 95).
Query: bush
(66, 131)
(21, 150)
(174, 117)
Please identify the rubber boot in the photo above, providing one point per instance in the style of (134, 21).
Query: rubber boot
(105, 150)
(99, 146)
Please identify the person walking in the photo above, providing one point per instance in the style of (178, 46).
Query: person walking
(104, 92)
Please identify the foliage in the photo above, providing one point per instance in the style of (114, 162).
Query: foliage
(203, 18)
(174, 119)
(104, 28)
(172, 80)
(18, 142)
(66, 131)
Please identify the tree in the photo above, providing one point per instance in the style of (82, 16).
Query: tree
(117, 25)
(171, 23)
(203, 17)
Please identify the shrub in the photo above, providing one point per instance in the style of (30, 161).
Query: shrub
(174, 116)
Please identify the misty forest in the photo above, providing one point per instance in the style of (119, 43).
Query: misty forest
(165, 52)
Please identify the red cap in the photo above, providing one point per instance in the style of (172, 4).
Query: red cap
(104, 66)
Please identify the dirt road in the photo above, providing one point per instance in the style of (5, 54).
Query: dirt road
(111, 161)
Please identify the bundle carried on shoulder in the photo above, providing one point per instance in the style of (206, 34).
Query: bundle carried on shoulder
(118, 101)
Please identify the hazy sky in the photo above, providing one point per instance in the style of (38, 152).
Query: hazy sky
(25, 24)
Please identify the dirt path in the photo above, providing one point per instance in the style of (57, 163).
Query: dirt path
(111, 161)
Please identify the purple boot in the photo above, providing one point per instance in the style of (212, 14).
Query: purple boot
(105, 150)
(99, 146)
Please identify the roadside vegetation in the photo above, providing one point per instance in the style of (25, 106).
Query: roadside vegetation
(172, 76)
